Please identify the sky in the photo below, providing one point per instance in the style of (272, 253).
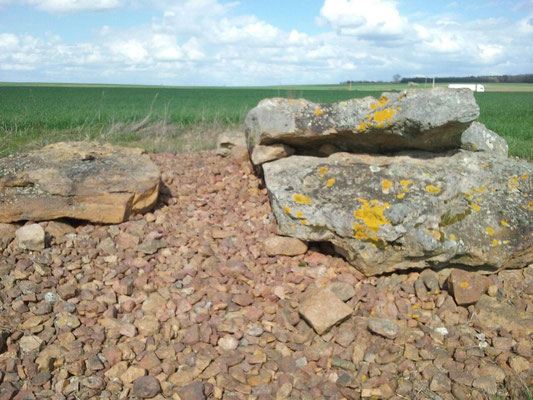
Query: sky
(260, 42)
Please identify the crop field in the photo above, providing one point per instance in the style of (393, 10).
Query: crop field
(188, 119)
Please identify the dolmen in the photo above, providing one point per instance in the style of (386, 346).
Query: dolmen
(80, 180)
(409, 180)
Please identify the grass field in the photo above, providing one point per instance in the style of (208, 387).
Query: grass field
(184, 118)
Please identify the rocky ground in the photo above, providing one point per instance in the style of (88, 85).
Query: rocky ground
(184, 303)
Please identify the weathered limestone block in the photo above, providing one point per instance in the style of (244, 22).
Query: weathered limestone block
(414, 210)
(479, 138)
(88, 181)
(227, 141)
(262, 154)
(427, 119)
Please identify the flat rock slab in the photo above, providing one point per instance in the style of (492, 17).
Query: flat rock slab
(497, 314)
(415, 210)
(323, 309)
(428, 119)
(87, 181)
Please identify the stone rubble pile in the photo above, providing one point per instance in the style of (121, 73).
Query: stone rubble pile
(186, 303)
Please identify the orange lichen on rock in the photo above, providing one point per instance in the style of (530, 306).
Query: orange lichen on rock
(330, 182)
(319, 112)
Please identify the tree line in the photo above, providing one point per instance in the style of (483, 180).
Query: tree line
(522, 78)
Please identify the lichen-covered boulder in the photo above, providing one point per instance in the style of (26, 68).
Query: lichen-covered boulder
(479, 138)
(414, 210)
(427, 119)
(87, 181)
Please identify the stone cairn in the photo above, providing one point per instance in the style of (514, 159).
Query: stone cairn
(409, 180)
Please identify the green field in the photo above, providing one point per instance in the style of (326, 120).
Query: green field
(186, 119)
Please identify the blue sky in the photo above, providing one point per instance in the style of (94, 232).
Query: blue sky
(257, 42)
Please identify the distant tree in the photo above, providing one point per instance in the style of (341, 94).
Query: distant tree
(396, 78)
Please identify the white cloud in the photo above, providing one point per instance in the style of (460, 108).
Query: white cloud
(206, 42)
(132, 51)
(372, 19)
(72, 6)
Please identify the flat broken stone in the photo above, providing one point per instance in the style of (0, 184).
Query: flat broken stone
(431, 119)
(282, 245)
(383, 327)
(323, 309)
(500, 315)
(87, 181)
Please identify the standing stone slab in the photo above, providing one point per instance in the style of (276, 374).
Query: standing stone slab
(414, 210)
(478, 138)
(88, 181)
(432, 119)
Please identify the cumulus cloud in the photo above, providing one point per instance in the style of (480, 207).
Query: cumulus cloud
(372, 19)
(207, 42)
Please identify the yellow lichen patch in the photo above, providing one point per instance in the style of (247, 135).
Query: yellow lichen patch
(319, 112)
(301, 199)
(363, 126)
(384, 115)
(330, 182)
(371, 215)
(287, 210)
(433, 189)
(524, 176)
(401, 195)
(373, 106)
(365, 256)
(299, 214)
(490, 231)
(380, 125)
(504, 222)
(495, 242)
(436, 235)
(513, 183)
(475, 207)
(368, 116)
(530, 206)
(322, 170)
(383, 100)
(452, 237)
(481, 189)
(386, 185)
(304, 222)
(464, 284)
(405, 183)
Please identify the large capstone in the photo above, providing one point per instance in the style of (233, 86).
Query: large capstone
(432, 120)
(412, 210)
(87, 181)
